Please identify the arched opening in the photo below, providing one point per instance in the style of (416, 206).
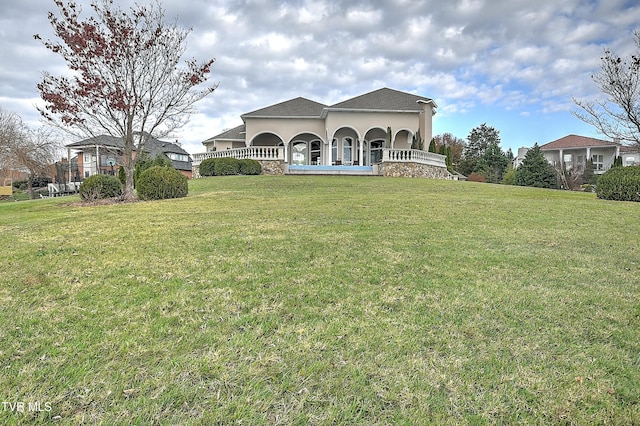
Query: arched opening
(267, 139)
(306, 149)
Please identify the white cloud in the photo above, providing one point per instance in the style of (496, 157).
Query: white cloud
(472, 56)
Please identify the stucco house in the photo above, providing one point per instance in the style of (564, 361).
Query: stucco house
(374, 133)
(574, 150)
(102, 155)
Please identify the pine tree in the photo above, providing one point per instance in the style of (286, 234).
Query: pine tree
(536, 170)
(589, 176)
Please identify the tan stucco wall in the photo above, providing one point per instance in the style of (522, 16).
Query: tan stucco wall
(285, 128)
(362, 122)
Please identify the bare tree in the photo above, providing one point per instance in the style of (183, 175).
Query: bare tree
(26, 149)
(126, 79)
(618, 116)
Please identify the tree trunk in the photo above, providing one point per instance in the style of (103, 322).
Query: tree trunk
(30, 186)
(129, 162)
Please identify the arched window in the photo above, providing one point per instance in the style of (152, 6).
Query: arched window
(299, 153)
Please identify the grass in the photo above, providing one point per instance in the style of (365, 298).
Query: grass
(323, 300)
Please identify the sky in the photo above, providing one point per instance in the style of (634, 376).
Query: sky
(512, 64)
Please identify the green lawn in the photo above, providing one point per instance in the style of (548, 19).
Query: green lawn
(322, 300)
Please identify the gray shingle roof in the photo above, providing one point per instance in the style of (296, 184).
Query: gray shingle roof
(235, 134)
(384, 99)
(152, 146)
(298, 107)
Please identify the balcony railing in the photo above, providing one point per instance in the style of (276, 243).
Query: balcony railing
(252, 152)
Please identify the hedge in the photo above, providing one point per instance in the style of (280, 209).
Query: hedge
(620, 184)
(250, 167)
(207, 167)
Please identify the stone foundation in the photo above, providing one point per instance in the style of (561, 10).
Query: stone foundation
(413, 170)
(272, 167)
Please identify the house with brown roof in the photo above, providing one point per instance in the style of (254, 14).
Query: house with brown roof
(573, 151)
(380, 132)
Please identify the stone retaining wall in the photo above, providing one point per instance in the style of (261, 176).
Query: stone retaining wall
(272, 167)
(276, 167)
(413, 170)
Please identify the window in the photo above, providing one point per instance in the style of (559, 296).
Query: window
(178, 157)
(299, 153)
(346, 151)
(315, 152)
(87, 158)
(629, 161)
(376, 151)
(334, 151)
(598, 162)
(568, 161)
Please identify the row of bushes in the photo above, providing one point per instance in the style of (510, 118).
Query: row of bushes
(154, 183)
(229, 166)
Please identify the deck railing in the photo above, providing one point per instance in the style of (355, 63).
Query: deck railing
(277, 153)
(413, 156)
(252, 152)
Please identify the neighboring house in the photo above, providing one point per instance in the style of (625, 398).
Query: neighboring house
(573, 151)
(357, 136)
(517, 161)
(102, 155)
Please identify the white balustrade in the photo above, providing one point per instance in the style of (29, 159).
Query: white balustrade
(413, 156)
(252, 152)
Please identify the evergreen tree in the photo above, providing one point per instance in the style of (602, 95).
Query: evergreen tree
(509, 177)
(479, 140)
(432, 145)
(536, 170)
(589, 176)
(492, 164)
(617, 162)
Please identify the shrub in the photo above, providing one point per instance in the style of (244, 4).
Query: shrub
(159, 183)
(476, 177)
(100, 186)
(122, 176)
(207, 167)
(250, 167)
(226, 166)
(20, 184)
(145, 162)
(620, 184)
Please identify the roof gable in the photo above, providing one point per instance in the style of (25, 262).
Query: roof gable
(298, 107)
(575, 141)
(384, 99)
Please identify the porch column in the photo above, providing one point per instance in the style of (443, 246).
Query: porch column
(97, 160)
(561, 158)
(588, 153)
(361, 157)
(286, 152)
